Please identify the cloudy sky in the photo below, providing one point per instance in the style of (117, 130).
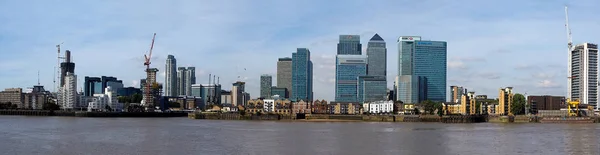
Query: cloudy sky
(490, 44)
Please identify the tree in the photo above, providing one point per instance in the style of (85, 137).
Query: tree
(136, 98)
(107, 108)
(429, 106)
(50, 105)
(417, 111)
(124, 99)
(174, 104)
(477, 107)
(518, 104)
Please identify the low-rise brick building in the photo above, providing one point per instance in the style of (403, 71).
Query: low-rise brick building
(301, 107)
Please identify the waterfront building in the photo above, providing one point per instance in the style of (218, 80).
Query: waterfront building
(451, 108)
(544, 102)
(13, 96)
(320, 107)
(209, 93)
(422, 64)
(349, 45)
(301, 107)
(171, 76)
(238, 94)
(181, 71)
(302, 75)
(379, 107)
(190, 79)
(348, 69)
(69, 92)
(36, 98)
(467, 105)
(344, 108)
(371, 88)
(456, 93)
(283, 107)
(505, 99)
(99, 103)
(97, 85)
(266, 82)
(377, 57)
(255, 106)
(284, 75)
(269, 105)
(226, 97)
(583, 73)
(155, 88)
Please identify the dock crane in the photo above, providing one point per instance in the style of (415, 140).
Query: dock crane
(573, 105)
(147, 64)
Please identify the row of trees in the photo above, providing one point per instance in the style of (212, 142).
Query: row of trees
(135, 98)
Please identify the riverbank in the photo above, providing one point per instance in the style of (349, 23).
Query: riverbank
(91, 114)
(395, 118)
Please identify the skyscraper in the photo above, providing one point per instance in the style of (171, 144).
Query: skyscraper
(190, 79)
(583, 73)
(284, 74)
(181, 71)
(66, 67)
(372, 88)
(238, 93)
(349, 45)
(302, 75)
(171, 76)
(69, 91)
(348, 69)
(377, 57)
(149, 100)
(455, 94)
(266, 82)
(422, 64)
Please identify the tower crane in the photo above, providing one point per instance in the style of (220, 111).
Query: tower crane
(147, 64)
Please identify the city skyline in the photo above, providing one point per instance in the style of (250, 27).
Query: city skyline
(112, 42)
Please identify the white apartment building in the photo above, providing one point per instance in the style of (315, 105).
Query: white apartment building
(379, 107)
(269, 105)
(68, 93)
(583, 73)
(100, 101)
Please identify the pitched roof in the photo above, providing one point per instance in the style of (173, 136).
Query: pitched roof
(376, 37)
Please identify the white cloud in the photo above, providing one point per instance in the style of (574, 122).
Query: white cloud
(456, 65)
(547, 84)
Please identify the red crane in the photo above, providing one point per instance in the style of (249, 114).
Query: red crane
(147, 64)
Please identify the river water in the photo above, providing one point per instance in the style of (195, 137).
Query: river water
(114, 136)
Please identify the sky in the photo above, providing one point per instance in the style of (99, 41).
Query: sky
(491, 44)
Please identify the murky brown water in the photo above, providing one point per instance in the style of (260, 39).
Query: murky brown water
(71, 135)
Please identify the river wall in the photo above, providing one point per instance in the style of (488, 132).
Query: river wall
(90, 114)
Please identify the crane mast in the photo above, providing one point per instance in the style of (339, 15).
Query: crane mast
(148, 99)
(570, 40)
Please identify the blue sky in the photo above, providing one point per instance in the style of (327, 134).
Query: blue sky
(490, 44)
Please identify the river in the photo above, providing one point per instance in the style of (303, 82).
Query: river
(130, 136)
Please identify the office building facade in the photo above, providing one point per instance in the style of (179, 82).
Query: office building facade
(69, 92)
(371, 89)
(455, 94)
(348, 69)
(284, 74)
(427, 60)
(349, 45)
(266, 82)
(171, 76)
(238, 91)
(97, 85)
(190, 79)
(583, 73)
(376, 57)
(302, 75)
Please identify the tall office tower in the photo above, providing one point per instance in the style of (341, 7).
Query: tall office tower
(92, 85)
(372, 88)
(66, 67)
(113, 82)
(302, 88)
(422, 70)
(237, 93)
(181, 71)
(69, 92)
(348, 69)
(455, 94)
(266, 82)
(171, 76)
(190, 79)
(284, 75)
(583, 73)
(349, 45)
(377, 57)
(505, 99)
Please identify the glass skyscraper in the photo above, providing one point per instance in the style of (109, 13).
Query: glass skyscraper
(266, 82)
(302, 75)
(372, 88)
(422, 68)
(349, 45)
(377, 57)
(348, 69)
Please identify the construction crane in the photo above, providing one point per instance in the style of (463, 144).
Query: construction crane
(57, 68)
(147, 64)
(569, 38)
